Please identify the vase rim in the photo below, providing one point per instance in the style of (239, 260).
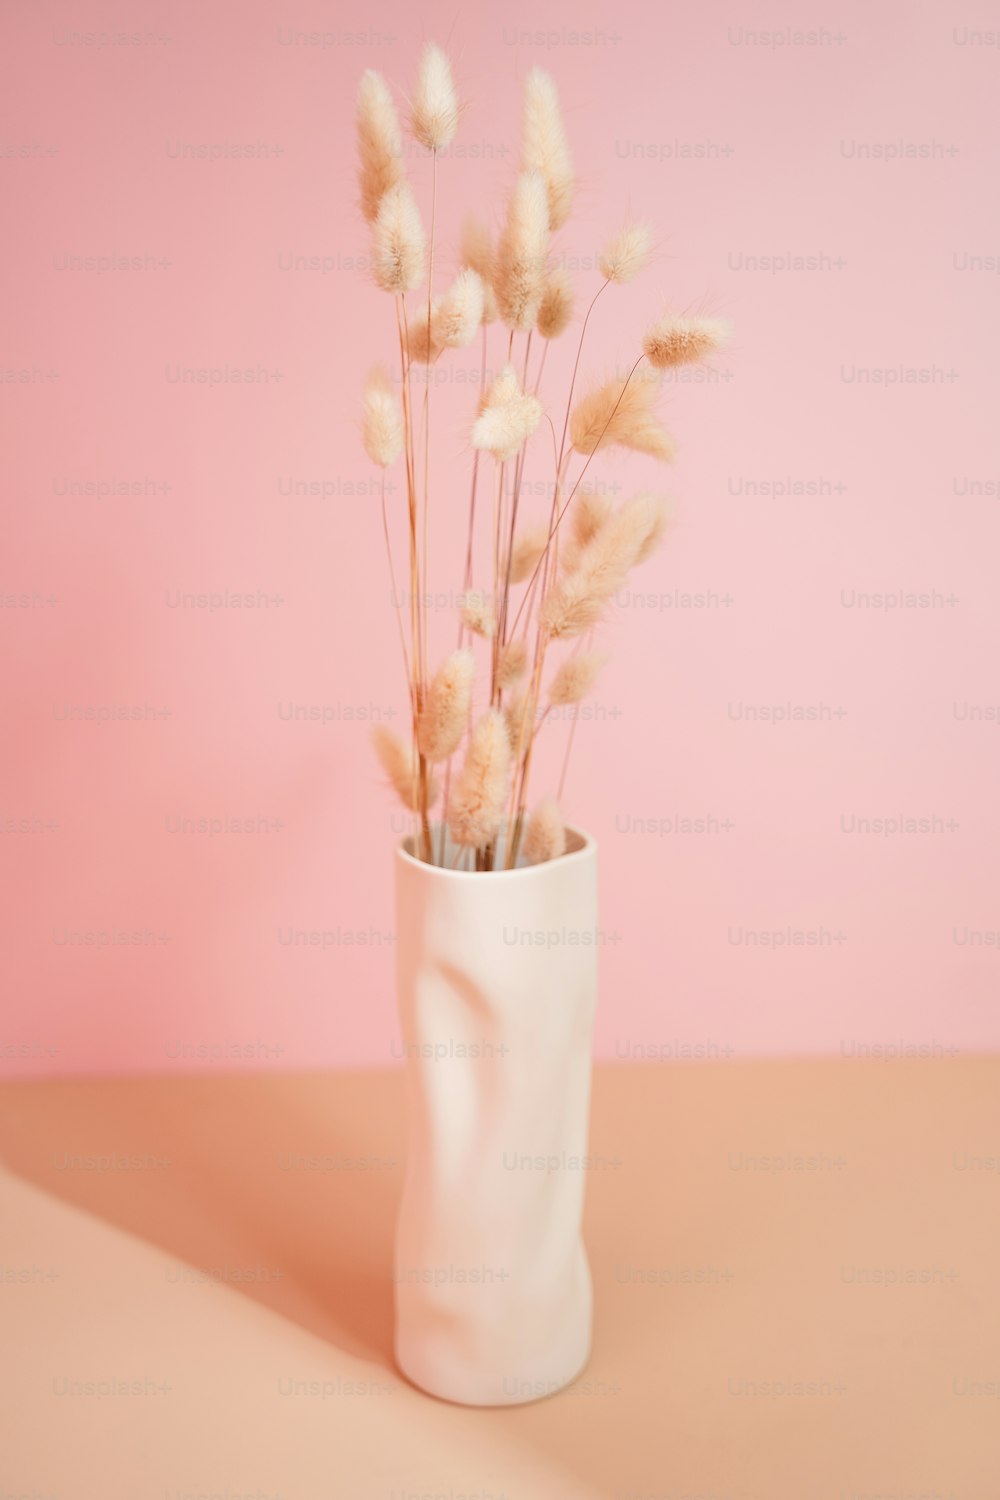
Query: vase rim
(582, 845)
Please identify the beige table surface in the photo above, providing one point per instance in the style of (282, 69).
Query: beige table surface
(796, 1266)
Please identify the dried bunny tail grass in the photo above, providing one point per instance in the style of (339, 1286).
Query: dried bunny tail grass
(589, 511)
(513, 664)
(682, 341)
(380, 145)
(545, 835)
(434, 112)
(575, 677)
(543, 145)
(477, 615)
(527, 553)
(420, 337)
(660, 518)
(624, 256)
(591, 508)
(476, 252)
(520, 270)
(513, 714)
(620, 413)
(446, 710)
(578, 600)
(507, 417)
(400, 766)
(399, 250)
(556, 307)
(381, 419)
(454, 320)
(456, 317)
(477, 801)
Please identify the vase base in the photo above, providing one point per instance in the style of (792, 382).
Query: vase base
(478, 1390)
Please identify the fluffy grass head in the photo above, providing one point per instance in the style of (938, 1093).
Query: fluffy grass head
(477, 615)
(446, 709)
(556, 307)
(477, 802)
(381, 419)
(513, 663)
(456, 317)
(620, 414)
(659, 506)
(514, 711)
(624, 256)
(529, 545)
(545, 835)
(507, 417)
(399, 251)
(589, 511)
(683, 341)
(380, 145)
(578, 600)
(434, 112)
(543, 145)
(420, 341)
(575, 677)
(400, 766)
(476, 251)
(519, 282)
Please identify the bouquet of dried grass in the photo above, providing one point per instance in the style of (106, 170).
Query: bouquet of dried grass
(541, 586)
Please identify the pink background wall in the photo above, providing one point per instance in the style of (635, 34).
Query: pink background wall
(736, 150)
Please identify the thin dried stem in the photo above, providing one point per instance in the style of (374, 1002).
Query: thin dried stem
(576, 366)
(500, 527)
(571, 736)
(518, 475)
(410, 494)
(417, 699)
(519, 788)
(395, 596)
(541, 366)
(467, 585)
(427, 402)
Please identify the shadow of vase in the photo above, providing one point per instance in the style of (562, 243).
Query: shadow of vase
(283, 1187)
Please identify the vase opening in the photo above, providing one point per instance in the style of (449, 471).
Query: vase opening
(576, 842)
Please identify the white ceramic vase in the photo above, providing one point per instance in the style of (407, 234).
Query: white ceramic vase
(497, 986)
